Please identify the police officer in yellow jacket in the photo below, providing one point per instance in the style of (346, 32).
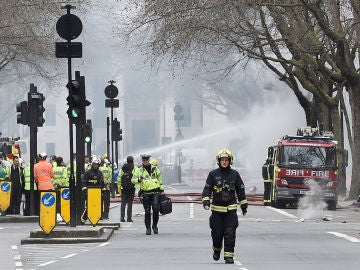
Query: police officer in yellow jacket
(151, 186)
(27, 192)
(226, 187)
(60, 179)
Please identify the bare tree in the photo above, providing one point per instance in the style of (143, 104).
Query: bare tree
(311, 45)
(27, 35)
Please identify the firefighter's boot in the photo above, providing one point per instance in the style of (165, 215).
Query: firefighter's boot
(155, 229)
(216, 255)
(148, 231)
(229, 260)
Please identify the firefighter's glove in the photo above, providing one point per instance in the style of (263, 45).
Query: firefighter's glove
(206, 203)
(244, 208)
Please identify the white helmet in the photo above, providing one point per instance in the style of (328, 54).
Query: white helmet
(22, 163)
(96, 160)
(43, 155)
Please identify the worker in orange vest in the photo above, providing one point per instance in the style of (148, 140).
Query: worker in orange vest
(43, 173)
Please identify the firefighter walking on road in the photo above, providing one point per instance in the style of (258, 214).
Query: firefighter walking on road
(226, 187)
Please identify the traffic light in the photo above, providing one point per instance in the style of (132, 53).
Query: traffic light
(74, 99)
(40, 110)
(87, 131)
(23, 115)
(77, 99)
(116, 131)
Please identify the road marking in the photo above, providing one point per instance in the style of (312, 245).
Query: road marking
(13, 247)
(69, 256)
(345, 236)
(1, 228)
(104, 244)
(283, 212)
(191, 210)
(47, 263)
(237, 263)
(18, 264)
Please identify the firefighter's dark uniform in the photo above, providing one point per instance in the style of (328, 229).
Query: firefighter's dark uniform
(92, 178)
(225, 186)
(267, 182)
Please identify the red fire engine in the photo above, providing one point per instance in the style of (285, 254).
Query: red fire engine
(303, 165)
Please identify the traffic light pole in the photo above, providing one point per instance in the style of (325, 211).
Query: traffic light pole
(108, 137)
(71, 157)
(33, 150)
(113, 193)
(69, 27)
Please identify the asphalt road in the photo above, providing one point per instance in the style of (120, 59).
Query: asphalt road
(267, 238)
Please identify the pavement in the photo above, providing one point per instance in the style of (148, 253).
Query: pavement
(65, 234)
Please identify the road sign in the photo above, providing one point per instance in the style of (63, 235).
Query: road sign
(111, 91)
(47, 220)
(65, 204)
(68, 50)
(111, 103)
(69, 26)
(94, 203)
(5, 195)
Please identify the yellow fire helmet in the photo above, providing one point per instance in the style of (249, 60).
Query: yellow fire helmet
(154, 162)
(224, 153)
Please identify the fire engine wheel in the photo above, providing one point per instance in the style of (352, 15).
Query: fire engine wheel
(279, 203)
(331, 205)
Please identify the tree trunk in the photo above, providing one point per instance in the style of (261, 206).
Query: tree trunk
(354, 98)
(336, 124)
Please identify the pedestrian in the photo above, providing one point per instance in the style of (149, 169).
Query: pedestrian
(92, 178)
(106, 171)
(3, 176)
(266, 174)
(43, 173)
(52, 161)
(27, 191)
(16, 176)
(127, 180)
(225, 186)
(151, 187)
(2, 170)
(59, 179)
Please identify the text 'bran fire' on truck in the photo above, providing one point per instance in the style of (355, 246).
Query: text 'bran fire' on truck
(301, 165)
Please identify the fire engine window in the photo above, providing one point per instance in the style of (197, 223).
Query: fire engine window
(308, 156)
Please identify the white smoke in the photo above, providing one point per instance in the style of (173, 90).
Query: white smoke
(311, 206)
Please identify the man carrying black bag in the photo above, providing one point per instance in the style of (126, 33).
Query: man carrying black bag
(165, 205)
(151, 186)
